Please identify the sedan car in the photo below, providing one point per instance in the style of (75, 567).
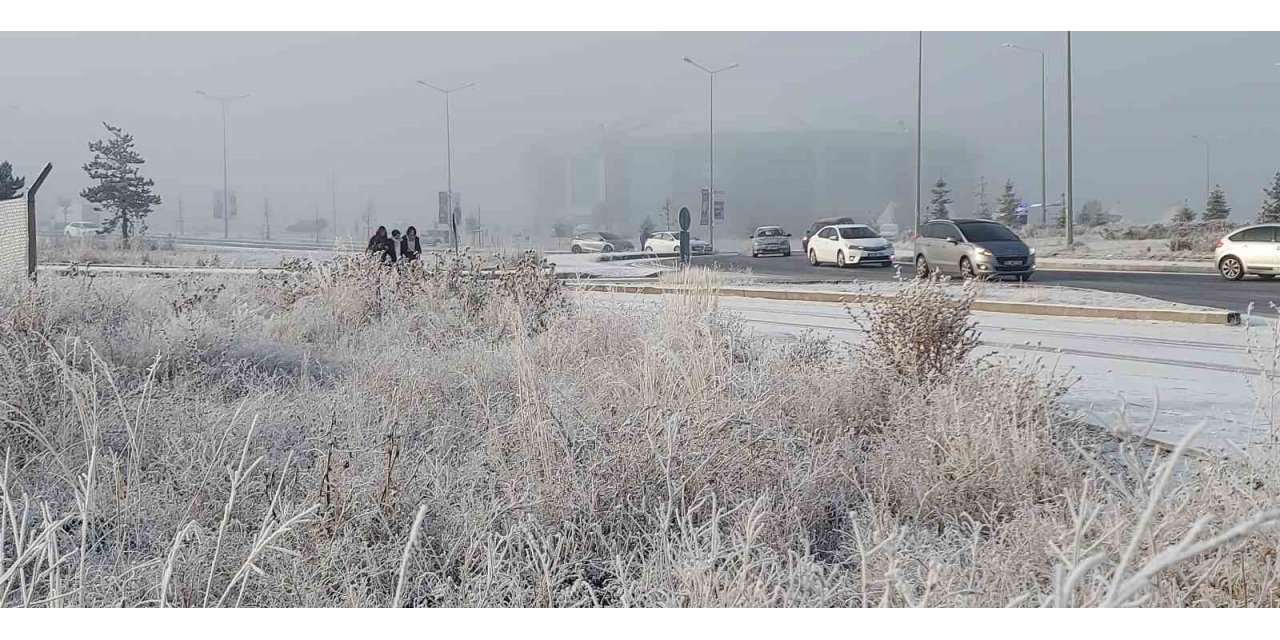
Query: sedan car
(669, 242)
(846, 244)
(82, 229)
(1249, 251)
(817, 226)
(599, 242)
(770, 240)
(972, 248)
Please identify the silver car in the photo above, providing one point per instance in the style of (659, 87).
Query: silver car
(972, 248)
(599, 242)
(1251, 250)
(770, 240)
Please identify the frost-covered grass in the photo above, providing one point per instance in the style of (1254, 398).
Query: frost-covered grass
(138, 251)
(347, 436)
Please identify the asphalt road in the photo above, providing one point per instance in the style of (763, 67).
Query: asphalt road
(1205, 290)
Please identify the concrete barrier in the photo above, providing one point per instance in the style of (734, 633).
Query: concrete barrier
(1213, 316)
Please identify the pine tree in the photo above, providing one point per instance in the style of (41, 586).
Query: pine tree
(10, 184)
(1092, 214)
(1007, 207)
(122, 193)
(1184, 215)
(1216, 208)
(984, 207)
(938, 209)
(647, 226)
(1271, 206)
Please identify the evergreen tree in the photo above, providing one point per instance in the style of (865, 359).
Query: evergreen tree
(1007, 207)
(122, 193)
(984, 208)
(1216, 208)
(1092, 214)
(1271, 206)
(1184, 214)
(647, 226)
(938, 209)
(10, 184)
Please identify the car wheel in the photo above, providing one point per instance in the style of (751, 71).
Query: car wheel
(608, 248)
(787, 254)
(922, 267)
(886, 263)
(1266, 276)
(575, 249)
(1231, 268)
(966, 269)
(813, 257)
(840, 260)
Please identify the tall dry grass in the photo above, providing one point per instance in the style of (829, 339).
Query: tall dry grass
(352, 436)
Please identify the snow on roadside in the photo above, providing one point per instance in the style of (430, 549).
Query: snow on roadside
(588, 264)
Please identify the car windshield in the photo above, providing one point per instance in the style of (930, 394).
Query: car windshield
(987, 232)
(850, 233)
(768, 232)
(611, 236)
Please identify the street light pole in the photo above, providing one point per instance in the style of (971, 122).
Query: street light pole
(1044, 190)
(1070, 144)
(1207, 172)
(711, 174)
(226, 189)
(448, 144)
(919, 121)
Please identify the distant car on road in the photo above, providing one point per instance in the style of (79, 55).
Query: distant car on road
(1252, 250)
(972, 248)
(78, 229)
(846, 244)
(669, 242)
(599, 242)
(770, 240)
(889, 231)
(818, 225)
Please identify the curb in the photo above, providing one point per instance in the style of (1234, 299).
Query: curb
(1050, 264)
(1021, 308)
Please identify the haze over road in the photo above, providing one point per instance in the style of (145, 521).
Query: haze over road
(1205, 290)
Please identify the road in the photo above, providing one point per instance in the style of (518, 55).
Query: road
(1204, 290)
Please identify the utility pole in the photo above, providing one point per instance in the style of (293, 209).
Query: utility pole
(448, 144)
(181, 229)
(1070, 166)
(711, 177)
(266, 218)
(316, 224)
(919, 119)
(226, 181)
(333, 198)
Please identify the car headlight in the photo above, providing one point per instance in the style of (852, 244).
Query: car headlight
(1033, 251)
(986, 253)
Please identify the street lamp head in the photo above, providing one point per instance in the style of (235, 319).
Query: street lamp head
(686, 59)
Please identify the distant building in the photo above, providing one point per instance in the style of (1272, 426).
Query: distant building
(773, 177)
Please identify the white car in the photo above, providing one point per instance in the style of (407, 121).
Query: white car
(669, 242)
(1251, 250)
(82, 229)
(846, 244)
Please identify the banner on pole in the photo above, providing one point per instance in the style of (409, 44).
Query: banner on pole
(718, 208)
(704, 219)
(443, 217)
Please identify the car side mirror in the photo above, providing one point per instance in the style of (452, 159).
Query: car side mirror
(952, 240)
(788, 235)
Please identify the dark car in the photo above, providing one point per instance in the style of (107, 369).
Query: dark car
(818, 225)
(972, 248)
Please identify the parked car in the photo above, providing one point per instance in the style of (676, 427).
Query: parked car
(599, 242)
(669, 242)
(846, 244)
(818, 225)
(77, 229)
(770, 240)
(889, 231)
(1252, 250)
(972, 248)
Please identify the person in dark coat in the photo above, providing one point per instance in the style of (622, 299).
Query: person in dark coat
(410, 245)
(377, 242)
(392, 247)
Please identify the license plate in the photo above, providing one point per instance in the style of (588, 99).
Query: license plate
(1013, 263)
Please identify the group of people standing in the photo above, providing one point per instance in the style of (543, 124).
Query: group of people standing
(395, 247)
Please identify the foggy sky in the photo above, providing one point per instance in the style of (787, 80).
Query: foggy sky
(326, 102)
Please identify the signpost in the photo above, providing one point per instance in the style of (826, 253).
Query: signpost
(685, 220)
(705, 219)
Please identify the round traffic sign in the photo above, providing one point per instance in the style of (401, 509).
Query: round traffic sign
(685, 218)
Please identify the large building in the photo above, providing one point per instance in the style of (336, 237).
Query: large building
(772, 177)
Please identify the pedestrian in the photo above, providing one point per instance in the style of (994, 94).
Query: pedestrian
(411, 245)
(377, 242)
(392, 247)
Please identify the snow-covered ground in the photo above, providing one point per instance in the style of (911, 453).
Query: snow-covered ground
(1156, 378)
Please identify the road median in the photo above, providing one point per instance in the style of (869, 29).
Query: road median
(1191, 316)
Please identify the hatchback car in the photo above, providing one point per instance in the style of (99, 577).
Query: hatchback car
(846, 244)
(1249, 251)
(972, 248)
(770, 240)
(669, 242)
(599, 242)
